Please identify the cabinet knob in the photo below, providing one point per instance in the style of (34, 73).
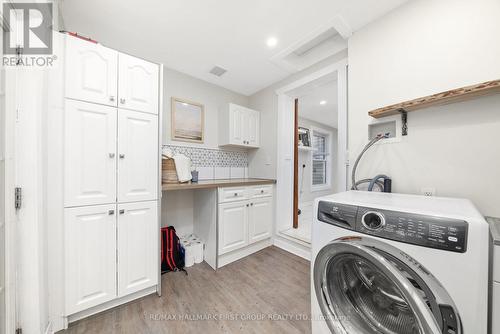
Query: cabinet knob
(111, 212)
(122, 156)
(262, 191)
(122, 211)
(122, 101)
(251, 204)
(235, 194)
(111, 155)
(247, 205)
(112, 98)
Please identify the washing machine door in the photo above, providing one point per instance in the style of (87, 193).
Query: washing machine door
(364, 285)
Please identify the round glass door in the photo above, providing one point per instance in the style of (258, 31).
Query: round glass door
(364, 289)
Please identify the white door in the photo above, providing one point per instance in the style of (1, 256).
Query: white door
(89, 153)
(138, 84)
(137, 246)
(253, 128)
(236, 135)
(260, 219)
(91, 72)
(90, 256)
(137, 156)
(233, 226)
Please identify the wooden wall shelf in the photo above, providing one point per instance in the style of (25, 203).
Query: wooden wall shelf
(451, 96)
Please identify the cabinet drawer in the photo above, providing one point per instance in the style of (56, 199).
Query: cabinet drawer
(496, 263)
(232, 194)
(261, 191)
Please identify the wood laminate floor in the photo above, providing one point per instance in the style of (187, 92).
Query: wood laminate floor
(267, 292)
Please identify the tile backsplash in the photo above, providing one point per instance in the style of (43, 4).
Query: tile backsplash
(205, 157)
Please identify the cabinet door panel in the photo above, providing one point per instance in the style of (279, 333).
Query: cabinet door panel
(236, 127)
(233, 226)
(90, 256)
(137, 156)
(260, 219)
(137, 246)
(90, 153)
(253, 128)
(91, 72)
(138, 84)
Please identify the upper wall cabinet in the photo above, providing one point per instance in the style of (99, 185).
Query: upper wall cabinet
(239, 126)
(138, 84)
(91, 72)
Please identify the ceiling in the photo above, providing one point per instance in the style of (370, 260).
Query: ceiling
(310, 96)
(192, 36)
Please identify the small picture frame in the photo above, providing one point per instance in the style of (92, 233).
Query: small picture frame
(304, 137)
(188, 121)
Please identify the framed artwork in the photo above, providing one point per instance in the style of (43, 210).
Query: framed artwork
(304, 137)
(188, 121)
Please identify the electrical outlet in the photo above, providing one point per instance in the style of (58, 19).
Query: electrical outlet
(428, 191)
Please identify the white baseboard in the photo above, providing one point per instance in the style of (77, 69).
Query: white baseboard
(111, 304)
(241, 253)
(293, 247)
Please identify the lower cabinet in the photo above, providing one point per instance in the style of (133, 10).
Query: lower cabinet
(90, 256)
(260, 218)
(495, 308)
(110, 252)
(245, 218)
(137, 247)
(233, 226)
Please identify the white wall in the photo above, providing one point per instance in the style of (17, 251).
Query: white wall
(422, 48)
(305, 159)
(213, 97)
(177, 208)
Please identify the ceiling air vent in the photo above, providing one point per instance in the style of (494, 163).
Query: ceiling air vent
(218, 71)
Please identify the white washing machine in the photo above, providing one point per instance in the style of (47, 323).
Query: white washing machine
(398, 264)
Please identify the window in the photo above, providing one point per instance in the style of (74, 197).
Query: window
(320, 161)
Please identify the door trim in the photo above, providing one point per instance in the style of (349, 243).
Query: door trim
(285, 151)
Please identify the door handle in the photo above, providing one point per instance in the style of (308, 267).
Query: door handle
(111, 212)
(122, 156)
(112, 98)
(122, 211)
(111, 155)
(122, 101)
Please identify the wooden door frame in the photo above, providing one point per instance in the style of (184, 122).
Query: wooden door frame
(296, 164)
(286, 152)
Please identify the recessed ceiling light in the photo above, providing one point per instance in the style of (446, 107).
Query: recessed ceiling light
(322, 102)
(271, 42)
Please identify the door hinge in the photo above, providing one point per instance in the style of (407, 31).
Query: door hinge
(18, 198)
(19, 331)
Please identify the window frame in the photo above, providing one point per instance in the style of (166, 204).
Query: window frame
(328, 142)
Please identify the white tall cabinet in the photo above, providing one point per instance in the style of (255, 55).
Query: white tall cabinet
(111, 175)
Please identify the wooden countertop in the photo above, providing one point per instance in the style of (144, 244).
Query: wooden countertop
(207, 184)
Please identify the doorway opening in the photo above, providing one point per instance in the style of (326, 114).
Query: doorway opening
(312, 148)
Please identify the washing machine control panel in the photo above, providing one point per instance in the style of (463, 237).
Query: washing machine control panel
(428, 231)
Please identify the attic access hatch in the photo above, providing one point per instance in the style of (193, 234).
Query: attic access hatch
(315, 47)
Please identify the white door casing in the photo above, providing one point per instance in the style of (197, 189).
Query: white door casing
(90, 153)
(260, 219)
(136, 231)
(138, 84)
(90, 256)
(91, 72)
(233, 226)
(137, 156)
